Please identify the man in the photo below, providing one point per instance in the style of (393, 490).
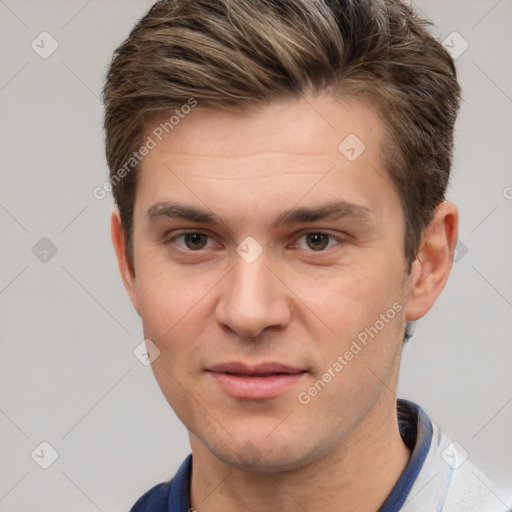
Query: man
(279, 169)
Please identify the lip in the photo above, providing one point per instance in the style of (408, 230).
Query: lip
(265, 380)
(258, 369)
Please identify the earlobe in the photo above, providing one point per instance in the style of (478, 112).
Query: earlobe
(124, 263)
(434, 260)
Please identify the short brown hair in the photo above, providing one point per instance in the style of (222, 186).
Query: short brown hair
(236, 55)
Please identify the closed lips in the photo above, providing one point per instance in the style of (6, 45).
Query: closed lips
(261, 374)
(261, 370)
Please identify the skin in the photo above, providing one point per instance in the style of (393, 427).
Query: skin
(293, 304)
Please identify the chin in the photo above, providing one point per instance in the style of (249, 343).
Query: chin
(262, 455)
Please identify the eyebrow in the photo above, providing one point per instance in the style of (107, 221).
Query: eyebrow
(172, 210)
(332, 210)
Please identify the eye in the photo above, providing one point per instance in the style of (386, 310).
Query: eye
(192, 241)
(317, 241)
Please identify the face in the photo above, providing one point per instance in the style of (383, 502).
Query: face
(270, 274)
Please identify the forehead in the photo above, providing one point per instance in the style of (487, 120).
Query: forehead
(309, 126)
(313, 151)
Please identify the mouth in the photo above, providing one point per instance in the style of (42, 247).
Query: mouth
(266, 380)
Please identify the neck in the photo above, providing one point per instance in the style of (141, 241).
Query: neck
(355, 477)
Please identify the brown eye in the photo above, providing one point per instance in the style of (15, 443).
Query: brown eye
(317, 241)
(195, 241)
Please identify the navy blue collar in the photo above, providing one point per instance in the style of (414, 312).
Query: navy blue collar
(416, 432)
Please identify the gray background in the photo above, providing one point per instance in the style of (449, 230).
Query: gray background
(68, 375)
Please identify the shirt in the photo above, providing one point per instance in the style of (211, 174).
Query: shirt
(438, 477)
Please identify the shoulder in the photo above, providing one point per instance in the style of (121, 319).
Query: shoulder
(449, 482)
(172, 494)
(154, 500)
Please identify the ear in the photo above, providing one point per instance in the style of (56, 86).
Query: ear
(125, 265)
(434, 261)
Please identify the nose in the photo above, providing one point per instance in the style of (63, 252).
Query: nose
(252, 299)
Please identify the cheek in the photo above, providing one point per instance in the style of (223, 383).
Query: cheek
(173, 307)
(174, 315)
(348, 300)
(356, 327)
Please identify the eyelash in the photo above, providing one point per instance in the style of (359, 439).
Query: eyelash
(173, 239)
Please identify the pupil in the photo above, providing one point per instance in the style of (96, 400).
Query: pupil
(195, 240)
(318, 241)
